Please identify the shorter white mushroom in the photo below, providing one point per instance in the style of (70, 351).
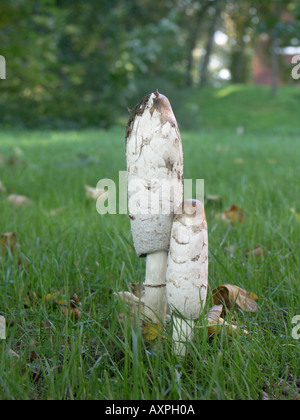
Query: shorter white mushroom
(187, 271)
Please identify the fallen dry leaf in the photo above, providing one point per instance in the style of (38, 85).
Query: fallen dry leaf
(54, 212)
(14, 354)
(213, 200)
(9, 241)
(151, 331)
(233, 214)
(134, 306)
(234, 296)
(2, 188)
(138, 289)
(258, 251)
(216, 324)
(231, 250)
(93, 193)
(297, 215)
(71, 307)
(19, 200)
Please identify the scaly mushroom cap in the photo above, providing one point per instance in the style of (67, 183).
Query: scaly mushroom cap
(187, 270)
(154, 173)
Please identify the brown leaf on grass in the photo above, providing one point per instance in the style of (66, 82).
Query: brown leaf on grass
(14, 160)
(233, 214)
(138, 289)
(230, 250)
(134, 306)
(54, 212)
(234, 296)
(31, 299)
(133, 303)
(19, 200)
(239, 161)
(151, 331)
(216, 324)
(54, 298)
(72, 308)
(213, 200)
(214, 313)
(93, 193)
(258, 251)
(2, 188)
(9, 241)
(24, 366)
(297, 215)
(14, 354)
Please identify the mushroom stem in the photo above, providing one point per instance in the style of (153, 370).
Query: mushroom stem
(155, 287)
(182, 334)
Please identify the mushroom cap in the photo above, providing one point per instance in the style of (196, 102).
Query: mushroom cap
(187, 267)
(154, 173)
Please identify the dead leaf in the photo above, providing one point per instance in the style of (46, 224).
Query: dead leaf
(9, 241)
(216, 324)
(14, 160)
(138, 289)
(134, 304)
(256, 252)
(151, 331)
(214, 200)
(231, 250)
(54, 212)
(233, 214)
(54, 298)
(14, 354)
(19, 200)
(297, 215)
(272, 161)
(239, 161)
(93, 193)
(72, 308)
(234, 296)
(214, 313)
(2, 188)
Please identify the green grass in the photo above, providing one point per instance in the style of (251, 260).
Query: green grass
(78, 251)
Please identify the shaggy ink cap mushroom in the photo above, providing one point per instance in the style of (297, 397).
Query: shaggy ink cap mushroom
(155, 189)
(187, 271)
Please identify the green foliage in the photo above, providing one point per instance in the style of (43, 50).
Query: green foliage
(76, 64)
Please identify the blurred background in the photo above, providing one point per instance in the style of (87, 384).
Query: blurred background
(73, 64)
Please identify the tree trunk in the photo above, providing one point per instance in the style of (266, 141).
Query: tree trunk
(209, 46)
(274, 61)
(274, 46)
(192, 41)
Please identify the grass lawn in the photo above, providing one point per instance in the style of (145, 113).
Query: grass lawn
(248, 152)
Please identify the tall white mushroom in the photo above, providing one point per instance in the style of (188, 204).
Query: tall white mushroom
(155, 188)
(187, 271)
